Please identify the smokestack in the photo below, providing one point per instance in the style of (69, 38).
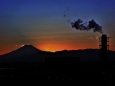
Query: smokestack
(104, 42)
(104, 46)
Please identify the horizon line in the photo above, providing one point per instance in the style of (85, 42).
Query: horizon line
(52, 51)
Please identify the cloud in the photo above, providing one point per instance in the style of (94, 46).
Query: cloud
(90, 25)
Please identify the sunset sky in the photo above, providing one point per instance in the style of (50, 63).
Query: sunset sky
(43, 24)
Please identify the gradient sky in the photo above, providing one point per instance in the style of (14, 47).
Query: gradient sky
(42, 23)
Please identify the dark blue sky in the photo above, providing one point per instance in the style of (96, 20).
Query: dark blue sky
(42, 23)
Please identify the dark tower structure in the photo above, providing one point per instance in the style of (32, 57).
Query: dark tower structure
(104, 46)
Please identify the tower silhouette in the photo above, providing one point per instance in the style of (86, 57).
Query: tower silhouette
(104, 46)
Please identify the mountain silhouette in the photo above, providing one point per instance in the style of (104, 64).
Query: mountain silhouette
(26, 49)
(29, 53)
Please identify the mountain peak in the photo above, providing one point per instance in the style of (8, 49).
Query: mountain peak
(28, 48)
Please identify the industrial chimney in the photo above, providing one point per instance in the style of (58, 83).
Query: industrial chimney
(104, 46)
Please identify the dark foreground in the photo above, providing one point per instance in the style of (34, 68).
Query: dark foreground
(83, 73)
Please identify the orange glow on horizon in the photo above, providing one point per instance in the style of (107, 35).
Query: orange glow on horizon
(52, 47)
(58, 47)
(5, 52)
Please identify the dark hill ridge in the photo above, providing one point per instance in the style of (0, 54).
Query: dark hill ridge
(28, 53)
(84, 55)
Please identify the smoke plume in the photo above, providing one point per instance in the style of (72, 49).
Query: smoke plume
(91, 25)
